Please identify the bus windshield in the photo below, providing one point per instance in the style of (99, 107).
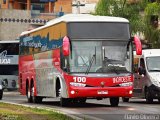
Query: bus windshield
(153, 63)
(109, 56)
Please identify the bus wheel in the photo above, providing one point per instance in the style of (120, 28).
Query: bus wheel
(82, 101)
(35, 99)
(28, 94)
(1, 94)
(124, 99)
(64, 102)
(148, 96)
(114, 101)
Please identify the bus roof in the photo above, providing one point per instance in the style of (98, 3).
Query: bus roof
(86, 18)
(10, 41)
(79, 18)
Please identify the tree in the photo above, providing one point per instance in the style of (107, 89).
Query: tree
(121, 8)
(134, 12)
(151, 31)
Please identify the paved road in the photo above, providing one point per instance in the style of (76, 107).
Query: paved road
(97, 110)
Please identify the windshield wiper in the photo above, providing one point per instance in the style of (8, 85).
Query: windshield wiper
(91, 62)
(90, 65)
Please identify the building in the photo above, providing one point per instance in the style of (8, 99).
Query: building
(44, 6)
(17, 16)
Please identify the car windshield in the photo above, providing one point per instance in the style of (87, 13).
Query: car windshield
(99, 56)
(153, 63)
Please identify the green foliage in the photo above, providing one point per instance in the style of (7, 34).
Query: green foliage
(102, 8)
(120, 8)
(137, 13)
(152, 9)
(151, 33)
(17, 112)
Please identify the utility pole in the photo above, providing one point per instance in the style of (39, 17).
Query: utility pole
(77, 4)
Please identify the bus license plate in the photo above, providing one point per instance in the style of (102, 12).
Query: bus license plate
(102, 92)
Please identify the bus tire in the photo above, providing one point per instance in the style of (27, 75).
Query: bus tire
(148, 96)
(1, 94)
(28, 94)
(114, 101)
(124, 99)
(37, 99)
(82, 100)
(64, 102)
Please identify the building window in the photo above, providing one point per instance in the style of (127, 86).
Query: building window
(38, 7)
(4, 1)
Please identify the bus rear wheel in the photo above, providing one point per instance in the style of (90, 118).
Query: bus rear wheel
(1, 94)
(35, 99)
(28, 94)
(114, 101)
(82, 100)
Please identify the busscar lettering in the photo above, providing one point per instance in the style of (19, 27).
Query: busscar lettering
(122, 79)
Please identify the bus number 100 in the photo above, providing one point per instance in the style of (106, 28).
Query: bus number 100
(79, 79)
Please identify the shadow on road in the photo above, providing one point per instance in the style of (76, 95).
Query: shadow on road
(144, 102)
(85, 105)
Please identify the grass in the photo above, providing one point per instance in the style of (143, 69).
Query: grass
(17, 112)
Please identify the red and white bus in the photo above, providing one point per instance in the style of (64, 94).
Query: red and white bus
(78, 57)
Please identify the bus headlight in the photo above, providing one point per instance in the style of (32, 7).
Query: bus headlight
(77, 84)
(126, 84)
(0, 87)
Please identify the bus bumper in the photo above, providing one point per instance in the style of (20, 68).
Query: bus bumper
(88, 92)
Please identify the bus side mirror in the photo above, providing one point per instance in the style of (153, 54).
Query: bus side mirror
(138, 45)
(66, 46)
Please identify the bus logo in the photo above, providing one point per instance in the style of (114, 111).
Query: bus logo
(122, 79)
